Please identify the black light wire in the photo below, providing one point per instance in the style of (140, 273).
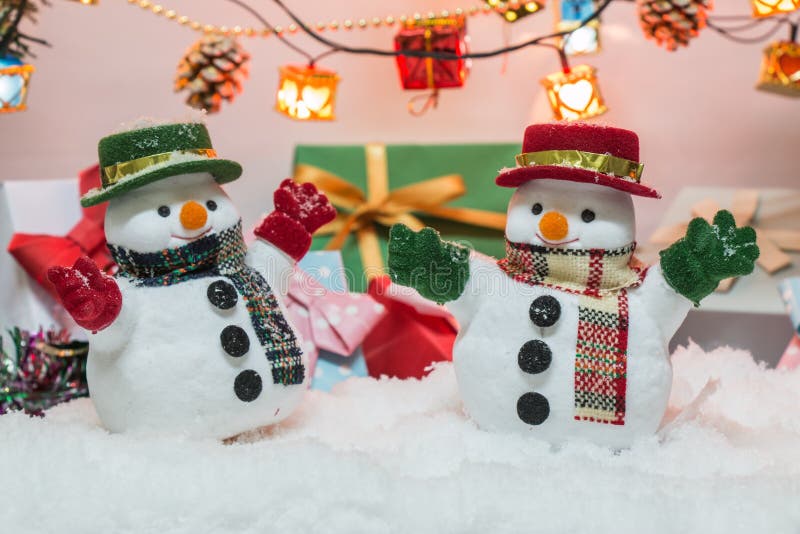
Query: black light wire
(270, 27)
(730, 33)
(334, 46)
(339, 47)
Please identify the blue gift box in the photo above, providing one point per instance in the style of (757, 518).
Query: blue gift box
(326, 267)
(576, 10)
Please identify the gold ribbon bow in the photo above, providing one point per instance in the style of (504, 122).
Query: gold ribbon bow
(771, 242)
(381, 206)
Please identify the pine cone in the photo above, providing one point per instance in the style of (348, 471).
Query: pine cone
(212, 70)
(672, 23)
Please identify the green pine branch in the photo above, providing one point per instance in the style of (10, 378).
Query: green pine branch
(12, 41)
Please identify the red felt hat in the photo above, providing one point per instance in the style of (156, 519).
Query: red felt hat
(579, 152)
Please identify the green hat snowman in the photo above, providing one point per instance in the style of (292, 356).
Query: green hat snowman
(135, 158)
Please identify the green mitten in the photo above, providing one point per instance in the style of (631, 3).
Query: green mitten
(437, 269)
(695, 264)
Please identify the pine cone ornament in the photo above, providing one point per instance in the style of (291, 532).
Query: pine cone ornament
(672, 23)
(212, 70)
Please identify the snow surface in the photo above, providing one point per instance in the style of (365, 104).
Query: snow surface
(400, 456)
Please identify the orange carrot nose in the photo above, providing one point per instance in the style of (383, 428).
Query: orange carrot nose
(554, 226)
(193, 215)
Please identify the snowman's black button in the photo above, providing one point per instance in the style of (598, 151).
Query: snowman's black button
(545, 311)
(534, 357)
(235, 341)
(533, 408)
(222, 295)
(247, 385)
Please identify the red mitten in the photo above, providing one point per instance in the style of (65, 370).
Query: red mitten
(285, 233)
(91, 298)
(299, 210)
(305, 204)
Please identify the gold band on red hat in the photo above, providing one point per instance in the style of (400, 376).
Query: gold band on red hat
(590, 161)
(114, 173)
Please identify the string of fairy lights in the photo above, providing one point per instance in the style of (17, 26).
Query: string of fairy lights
(333, 25)
(430, 49)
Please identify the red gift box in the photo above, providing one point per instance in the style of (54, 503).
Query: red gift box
(36, 253)
(432, 35)
(411, 336)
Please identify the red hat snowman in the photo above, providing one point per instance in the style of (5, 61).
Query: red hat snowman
(580, 152)
(566, 338)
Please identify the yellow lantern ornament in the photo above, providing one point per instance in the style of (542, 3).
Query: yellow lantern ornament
(14, 78)
(512, 10)
(767, 8)
(306, 93)
(574, 93)
(780, 69)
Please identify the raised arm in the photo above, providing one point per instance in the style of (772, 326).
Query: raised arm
(709, 253)
(692, 267)
(96, 303)
(284, 236)
(437, 269)
(444, 272)
(663, 302)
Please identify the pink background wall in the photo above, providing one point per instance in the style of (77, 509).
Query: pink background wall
(696, 111)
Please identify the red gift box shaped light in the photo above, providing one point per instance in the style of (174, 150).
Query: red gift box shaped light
(444, 34)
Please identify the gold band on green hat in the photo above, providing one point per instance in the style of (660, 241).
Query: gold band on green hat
(114, 173)
(602, 163)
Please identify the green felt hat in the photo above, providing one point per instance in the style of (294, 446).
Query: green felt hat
(138, 157)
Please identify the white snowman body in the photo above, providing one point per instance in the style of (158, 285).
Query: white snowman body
(494, 315)
(161, 366)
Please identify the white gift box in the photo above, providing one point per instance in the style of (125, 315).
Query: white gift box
(33, 207)
(751, 315)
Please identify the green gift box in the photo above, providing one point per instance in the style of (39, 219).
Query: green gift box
(448, 187)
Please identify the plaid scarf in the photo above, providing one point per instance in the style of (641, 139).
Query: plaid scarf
(601, 277)
(222, 254)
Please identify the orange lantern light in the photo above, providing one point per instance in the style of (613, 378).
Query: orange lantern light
(767, 8)
(780, 69)
(14, 78)
(574, 93)
(306, 93)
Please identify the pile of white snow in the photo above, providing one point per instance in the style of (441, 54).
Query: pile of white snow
(400, 456)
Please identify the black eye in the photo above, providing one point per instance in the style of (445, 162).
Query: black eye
(587, 216)
(536, 209)
(163, 211)
(211, 205)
